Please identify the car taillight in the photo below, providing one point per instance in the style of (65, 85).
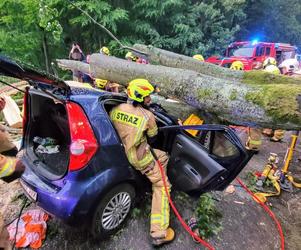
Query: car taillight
(83, 142)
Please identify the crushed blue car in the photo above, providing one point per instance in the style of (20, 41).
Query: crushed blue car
(76, 167)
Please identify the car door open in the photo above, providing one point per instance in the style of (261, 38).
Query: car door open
(208, 161)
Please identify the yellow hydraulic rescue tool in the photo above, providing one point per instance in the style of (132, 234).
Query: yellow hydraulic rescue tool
(281, 179)
(288, 159)
(268, 173)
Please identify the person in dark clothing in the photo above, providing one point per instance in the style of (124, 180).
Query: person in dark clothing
(76, 54)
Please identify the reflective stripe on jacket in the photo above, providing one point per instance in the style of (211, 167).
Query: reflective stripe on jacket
(7, 166)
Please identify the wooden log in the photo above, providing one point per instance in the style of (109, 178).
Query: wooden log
(10, 130)
(181, 110)
(7, 90)
(170, 59)
(237, 101)
(12, 113)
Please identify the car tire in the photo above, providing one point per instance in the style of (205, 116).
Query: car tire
(112, 211)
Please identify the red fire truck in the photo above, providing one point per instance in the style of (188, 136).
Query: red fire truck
(251, 53)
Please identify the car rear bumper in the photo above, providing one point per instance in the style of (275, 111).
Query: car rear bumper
(57, 201)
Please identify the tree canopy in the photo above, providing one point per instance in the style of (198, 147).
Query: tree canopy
(40, 31)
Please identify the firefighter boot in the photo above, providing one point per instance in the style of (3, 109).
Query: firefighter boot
(278, 135)
(267, 132)
(170, 235)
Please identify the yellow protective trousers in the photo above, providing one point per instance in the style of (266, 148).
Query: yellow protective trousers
(160, 205)
(7, 165)
(5, 144)
(254, 139)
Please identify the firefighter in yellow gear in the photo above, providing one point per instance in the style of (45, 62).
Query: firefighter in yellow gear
(7, 169)
(105, 51)
(100, 83)
(105, 84)
(237, 65)
(199, 57)
(131, 57)
(8, 166)
(135, 123)
(270, 65)
(254, 134)
(254, 139)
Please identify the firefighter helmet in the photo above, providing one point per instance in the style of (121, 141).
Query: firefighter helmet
(269, 61)
(100, 83)
(105, 50)
(138, 89)
(131, 56)
(237, 65)
(199, 57)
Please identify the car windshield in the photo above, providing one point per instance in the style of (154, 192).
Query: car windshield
(241, 50)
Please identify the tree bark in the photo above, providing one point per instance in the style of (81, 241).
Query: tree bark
(182, 110)
(231, 99)
(170, 59)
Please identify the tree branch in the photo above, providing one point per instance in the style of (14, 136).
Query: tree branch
(106, 30)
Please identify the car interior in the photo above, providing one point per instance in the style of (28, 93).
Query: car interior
(46, 114)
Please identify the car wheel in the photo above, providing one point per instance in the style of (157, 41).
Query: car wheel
(112, 211)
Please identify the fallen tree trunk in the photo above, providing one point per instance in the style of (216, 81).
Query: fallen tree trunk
(174, 60)
(235, 101)
(182, 110)
(170, 59)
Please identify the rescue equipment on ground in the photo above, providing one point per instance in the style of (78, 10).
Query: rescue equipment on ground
(267, 209)
(281, 179)
(188, 229)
